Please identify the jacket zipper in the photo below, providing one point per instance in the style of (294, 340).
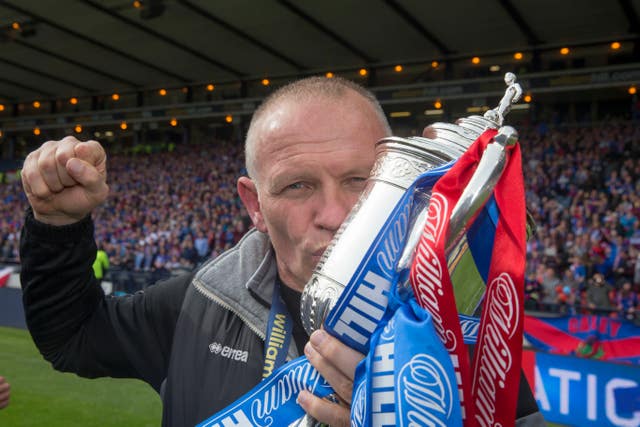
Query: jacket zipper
(210, 295)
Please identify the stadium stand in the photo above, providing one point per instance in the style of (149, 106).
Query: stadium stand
(171, 210)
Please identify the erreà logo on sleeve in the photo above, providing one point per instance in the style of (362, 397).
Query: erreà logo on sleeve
(230, 353)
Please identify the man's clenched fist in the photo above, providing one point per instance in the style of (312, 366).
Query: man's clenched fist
(64, 180)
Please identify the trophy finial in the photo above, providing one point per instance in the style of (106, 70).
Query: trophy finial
(511, 95)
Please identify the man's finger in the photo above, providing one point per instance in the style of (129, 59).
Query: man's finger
(429, 132)
(323, 410)
(4, 392)
(341, 356)
(341, 383)
(37, 187)
(64, 152)
(48, 168)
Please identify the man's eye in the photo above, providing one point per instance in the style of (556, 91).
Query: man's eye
(357, 181)
(295, 186)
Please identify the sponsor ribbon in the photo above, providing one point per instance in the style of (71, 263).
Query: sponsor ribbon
(489, 393)
(407, 379)
(273, 401)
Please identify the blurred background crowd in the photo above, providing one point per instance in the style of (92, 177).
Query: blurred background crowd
(171, 210)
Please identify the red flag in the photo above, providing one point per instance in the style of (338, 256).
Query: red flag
(5, 274)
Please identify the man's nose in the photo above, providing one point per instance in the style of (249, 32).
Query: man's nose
(333, 207)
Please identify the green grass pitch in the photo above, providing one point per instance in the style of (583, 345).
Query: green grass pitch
(41, 396)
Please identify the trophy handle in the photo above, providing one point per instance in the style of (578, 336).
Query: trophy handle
(473, 198)
(482, 183)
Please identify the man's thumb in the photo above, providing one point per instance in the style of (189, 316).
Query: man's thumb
(91, 152)
(85, 174)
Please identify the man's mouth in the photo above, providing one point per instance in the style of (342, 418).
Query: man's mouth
(318, 252)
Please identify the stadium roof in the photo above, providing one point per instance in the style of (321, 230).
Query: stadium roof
(66, 48)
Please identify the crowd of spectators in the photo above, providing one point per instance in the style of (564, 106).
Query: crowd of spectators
(166, 213)
(583, 190)
(170, 211)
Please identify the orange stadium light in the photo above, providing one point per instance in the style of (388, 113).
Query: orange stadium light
(15, 25)
(162, 92)
(398, 68)
(564, 51)
(137, 4)
(632, 90)
(363, 72)
(36, 104)
(329, 75)
(123, 125)
(434, 64)
(437, 104)
(518, 56)
(210, 87)
(73, 101)
(78, 128)
(36, 131)
(1, 107)
(228, 118)
(616, 45)
(173, 122)
(265, 82)
(115, 97)
(475, 60)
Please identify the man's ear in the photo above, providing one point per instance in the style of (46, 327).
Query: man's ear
(249, 195)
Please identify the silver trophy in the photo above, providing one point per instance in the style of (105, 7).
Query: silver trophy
(399, 161)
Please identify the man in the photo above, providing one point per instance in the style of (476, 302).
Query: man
(309, 150)
(100, 264)
(5, 393)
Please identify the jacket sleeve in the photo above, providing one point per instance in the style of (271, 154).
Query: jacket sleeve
(75, 326)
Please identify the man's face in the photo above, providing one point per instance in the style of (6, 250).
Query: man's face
(312, 160)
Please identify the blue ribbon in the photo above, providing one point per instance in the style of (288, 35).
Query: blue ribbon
(407, 378)
(273, 401)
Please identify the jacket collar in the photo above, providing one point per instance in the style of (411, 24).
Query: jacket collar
(242, 279)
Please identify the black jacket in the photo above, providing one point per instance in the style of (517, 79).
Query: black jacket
(173, 335)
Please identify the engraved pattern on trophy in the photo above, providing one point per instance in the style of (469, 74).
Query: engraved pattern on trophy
(399, 170)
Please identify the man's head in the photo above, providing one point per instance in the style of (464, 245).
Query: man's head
(309, 149)
(303, 90)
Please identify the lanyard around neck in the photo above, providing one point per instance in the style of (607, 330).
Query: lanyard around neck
(279, 331)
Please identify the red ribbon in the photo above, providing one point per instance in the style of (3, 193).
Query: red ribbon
(489, 393)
